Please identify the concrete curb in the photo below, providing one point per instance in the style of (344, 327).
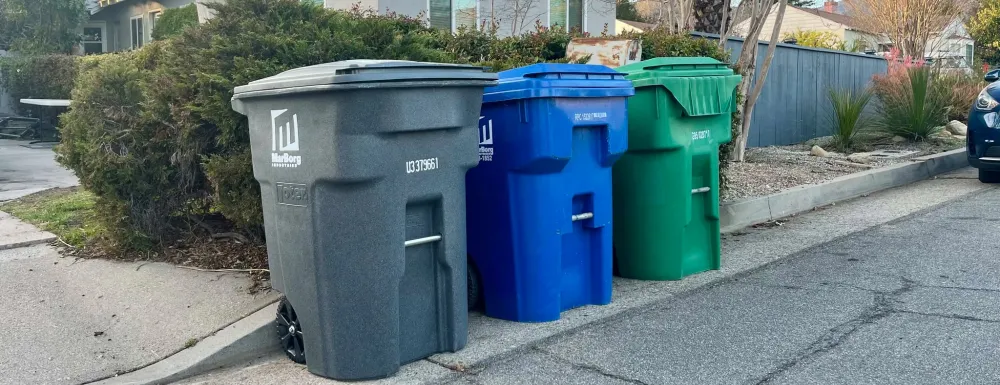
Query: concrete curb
(15, 233)
(249, 338)
(749, 212)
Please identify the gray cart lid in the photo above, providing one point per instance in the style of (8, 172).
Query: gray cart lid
(358, 72)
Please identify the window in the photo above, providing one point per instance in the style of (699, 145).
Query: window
(567, 13)
(439, 14)
(969, 53)
(451, 15)
(154, 17)
(465, 14)
(138, 33)
(93, 39)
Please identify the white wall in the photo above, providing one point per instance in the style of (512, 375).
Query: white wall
(794, 20)
(597, 13)
(118, 18)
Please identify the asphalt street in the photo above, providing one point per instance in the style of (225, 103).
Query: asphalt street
(900, 287)
(913, 301)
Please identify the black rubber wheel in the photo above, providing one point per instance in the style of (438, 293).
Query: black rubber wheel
(989, 176)
(475, 283)
(290, 332)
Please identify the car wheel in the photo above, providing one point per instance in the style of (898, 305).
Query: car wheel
(475, 283)
(989, 176)
(290, 332)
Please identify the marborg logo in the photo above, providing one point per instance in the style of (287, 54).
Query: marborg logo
(284, 137)
(486, 132)
(486, 140)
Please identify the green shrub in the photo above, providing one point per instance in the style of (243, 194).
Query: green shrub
(173, 21)
(909, 104)
(849, 117)
(39, 77)
(153, 133)
(119, 153)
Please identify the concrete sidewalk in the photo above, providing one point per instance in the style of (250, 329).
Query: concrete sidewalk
(72, 321)
(501, 352)
(26, 169)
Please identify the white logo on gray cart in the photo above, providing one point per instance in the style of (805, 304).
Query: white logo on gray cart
(284, 139)
(486, 140)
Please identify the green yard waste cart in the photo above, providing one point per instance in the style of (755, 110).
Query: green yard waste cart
(666, 187)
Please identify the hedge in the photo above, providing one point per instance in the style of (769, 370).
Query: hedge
(38, 77)
(173, 21)
(153, 133)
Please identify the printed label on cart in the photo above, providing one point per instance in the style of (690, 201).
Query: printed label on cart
(588, 116)
(486, 140)
(284, 139)
(697, 135)
(421, 165)
(292, 194)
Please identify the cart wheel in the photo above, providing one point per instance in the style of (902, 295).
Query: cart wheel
(475, 286)
(290, 332)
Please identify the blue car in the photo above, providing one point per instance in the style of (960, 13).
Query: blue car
(984, 131)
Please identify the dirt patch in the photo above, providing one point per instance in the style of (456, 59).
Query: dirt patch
(768, 170)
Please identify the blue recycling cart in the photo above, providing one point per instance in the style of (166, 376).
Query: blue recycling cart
(539, 203)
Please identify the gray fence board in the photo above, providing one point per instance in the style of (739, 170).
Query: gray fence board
(793, 106)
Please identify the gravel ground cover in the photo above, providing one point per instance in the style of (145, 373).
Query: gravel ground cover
(768, 170)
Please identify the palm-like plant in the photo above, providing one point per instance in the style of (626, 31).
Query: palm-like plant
(910, 106)
(849, 118)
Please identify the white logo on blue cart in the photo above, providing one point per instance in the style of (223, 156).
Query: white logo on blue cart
(486, 140)
(284, 139)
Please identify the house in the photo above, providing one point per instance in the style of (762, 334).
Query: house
(118, 25)
(622, 26)
(953, 47)
(511, 17)
(823, 20)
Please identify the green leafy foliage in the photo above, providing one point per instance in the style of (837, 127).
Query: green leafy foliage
(40, 77)
(40, 26)
(823, 39)
(120, 154)
(173, 21)
(155, 137)
(984, 27)
(849, 117)
(625, 10)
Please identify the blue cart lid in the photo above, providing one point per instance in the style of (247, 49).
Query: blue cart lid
(559, 81)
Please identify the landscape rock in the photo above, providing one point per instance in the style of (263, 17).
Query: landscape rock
(957, 128)
(820, 141)
(859, 158)
(819, 151)
(944, 133)
(898, 139)
(959, 137)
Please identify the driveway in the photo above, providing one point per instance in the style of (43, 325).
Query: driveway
(26, 169)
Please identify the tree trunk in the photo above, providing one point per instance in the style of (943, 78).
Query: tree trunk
(708, 15)
(739, 151)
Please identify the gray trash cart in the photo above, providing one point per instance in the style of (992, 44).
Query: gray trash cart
(362, 169)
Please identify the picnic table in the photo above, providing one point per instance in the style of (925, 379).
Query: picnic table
(47, 102)
(20, 127)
